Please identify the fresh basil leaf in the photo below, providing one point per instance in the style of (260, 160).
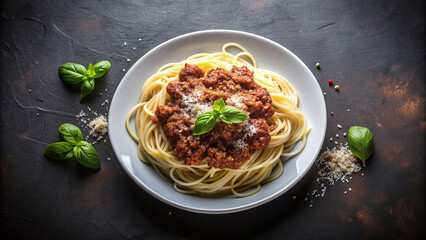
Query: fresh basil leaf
(233, 115)
(216, 114)
(86, 88)
(86, 155)
(228, 114)
(90, 71)
(205, 122)
(101, 68)
(72, 73)
(219, 105)
(71, 133)
(361, 142)
(58, 150)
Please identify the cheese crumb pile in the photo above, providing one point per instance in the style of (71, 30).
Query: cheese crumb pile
(94, 122)
(98, 127)
(337, 164)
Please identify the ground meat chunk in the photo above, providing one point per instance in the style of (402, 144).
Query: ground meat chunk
(226, 132)
(178, 125)
(263, 95)
(267, 111)
(189, 72)
(243, 76)
(191, 149)
(163, 112)
(261, 138)
(213, 76)
(211, 95)
(227, 159)
(257, 108)
(177, 89)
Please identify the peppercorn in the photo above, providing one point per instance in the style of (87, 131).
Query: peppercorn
(318, 66)
(330, 81)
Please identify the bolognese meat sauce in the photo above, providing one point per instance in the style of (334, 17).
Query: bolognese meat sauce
(227, 145)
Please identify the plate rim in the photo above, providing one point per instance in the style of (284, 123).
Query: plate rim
(228, 209)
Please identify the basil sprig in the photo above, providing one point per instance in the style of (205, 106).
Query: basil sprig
(361, 142)
(207, 120)
(70, 133)
(74, 145)
(73, 73)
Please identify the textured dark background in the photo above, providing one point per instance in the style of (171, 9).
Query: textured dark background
(375, 51)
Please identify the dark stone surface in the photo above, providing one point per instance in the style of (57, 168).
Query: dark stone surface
(375, 51)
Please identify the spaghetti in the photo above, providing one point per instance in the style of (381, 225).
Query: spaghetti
(263, 166)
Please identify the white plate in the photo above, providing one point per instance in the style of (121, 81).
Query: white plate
(269, 55)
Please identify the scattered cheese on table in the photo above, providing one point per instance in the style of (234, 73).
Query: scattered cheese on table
(98, 126)
(337, 164)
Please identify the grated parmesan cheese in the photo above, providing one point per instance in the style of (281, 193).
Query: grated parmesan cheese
(239, 144)
(200, 108)
(334, 165)
(235, 100)
(193, 108)
(98, 126)
(197, 93)
(249, 130)
(337, 164)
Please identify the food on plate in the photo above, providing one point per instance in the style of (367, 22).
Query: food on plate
(217, 124)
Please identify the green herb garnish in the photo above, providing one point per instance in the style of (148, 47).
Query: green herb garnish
(207, 120)
(74, 145)
(73, 73)
(361, 142)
